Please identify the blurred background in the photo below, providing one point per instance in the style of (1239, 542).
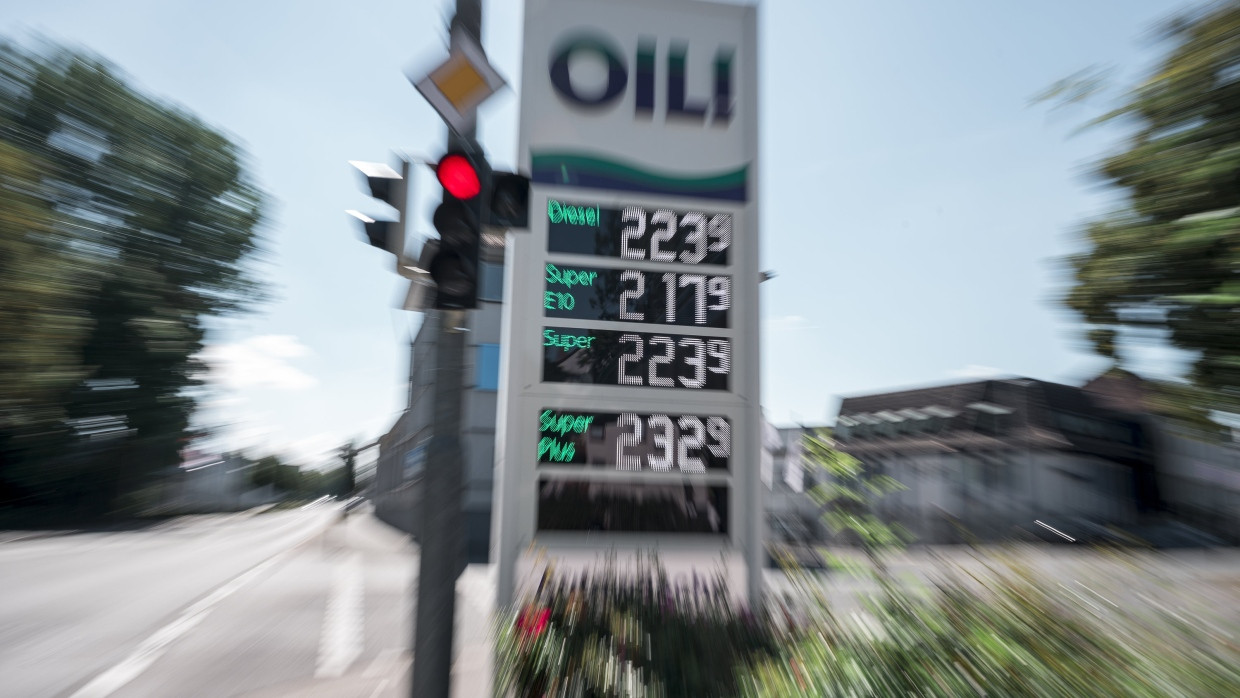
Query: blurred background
(1006, 246)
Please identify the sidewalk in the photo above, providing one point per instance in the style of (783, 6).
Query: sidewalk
(472, 668)
(472, 655)
(389, 674)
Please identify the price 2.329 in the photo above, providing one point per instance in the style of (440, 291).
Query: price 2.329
(661, 442)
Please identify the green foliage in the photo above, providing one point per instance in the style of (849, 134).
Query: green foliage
(848, 494)
(1001, 630)
(123, 223)
(610, 634)
(1168, 260)
(297, 482)
(348, 469)
(1008, 634)
(270, 470)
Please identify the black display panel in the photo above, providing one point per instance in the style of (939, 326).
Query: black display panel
(588, 505)
(638, 233)
(629, 295)
(651, 359)
(666, 443)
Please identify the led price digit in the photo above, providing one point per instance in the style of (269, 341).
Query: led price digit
(631, 294)
(677, 442)
(623, 461)
(698, 236)
(693, 355)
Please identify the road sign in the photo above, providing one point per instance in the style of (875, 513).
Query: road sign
(629, 414)
(461, 83)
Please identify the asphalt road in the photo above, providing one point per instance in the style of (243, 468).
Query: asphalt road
(283, 603)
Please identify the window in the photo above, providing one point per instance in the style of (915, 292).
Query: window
(490, 281)
(415, 461)
(486, 367)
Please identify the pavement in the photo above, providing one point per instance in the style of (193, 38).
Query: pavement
(289, 603)
(388, 675)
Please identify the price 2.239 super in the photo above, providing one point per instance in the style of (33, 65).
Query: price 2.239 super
(607, 357)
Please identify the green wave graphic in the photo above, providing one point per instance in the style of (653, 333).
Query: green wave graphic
(576, 169)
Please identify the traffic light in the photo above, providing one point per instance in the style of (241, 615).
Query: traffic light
(510, 201)
(390, 187)
(458, 220)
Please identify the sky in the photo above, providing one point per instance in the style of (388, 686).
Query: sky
(913, 200)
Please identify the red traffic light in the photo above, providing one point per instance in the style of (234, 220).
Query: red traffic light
(458, 176)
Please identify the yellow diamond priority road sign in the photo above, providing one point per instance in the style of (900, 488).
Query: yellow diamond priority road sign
(460, 84)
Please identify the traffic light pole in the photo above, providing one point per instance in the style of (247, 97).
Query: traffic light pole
(441, 550)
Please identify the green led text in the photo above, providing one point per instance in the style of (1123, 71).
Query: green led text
(563, 423)
(566, 341)
(556, 451)
(554, 300)
(569, 277)
(560, 212)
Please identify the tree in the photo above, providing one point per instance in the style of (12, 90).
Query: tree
(270, 470)
(348, 466)
(125, 223)
(1168, 261)
(847, 497)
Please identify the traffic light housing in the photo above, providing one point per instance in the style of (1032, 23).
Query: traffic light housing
(391, 187)
(459, 220)
(509, 201)
(473, 197)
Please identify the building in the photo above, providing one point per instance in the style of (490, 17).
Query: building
(793, 520)
(1198, 462)
(989, 460)
(403, 449)
(208, 482)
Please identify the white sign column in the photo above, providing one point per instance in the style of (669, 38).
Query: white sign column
(629, 413)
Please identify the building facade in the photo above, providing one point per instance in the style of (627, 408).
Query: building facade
(402, 450)
(1198, 465)
(997, 459)
(793, 520)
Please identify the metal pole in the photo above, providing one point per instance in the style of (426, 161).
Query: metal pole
(440, 544)
(441, 551)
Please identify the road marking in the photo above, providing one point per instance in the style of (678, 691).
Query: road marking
(379, 689)
(1070, 538)
(341, 640)
(154, 646)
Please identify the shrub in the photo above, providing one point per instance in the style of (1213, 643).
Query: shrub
(628, 634)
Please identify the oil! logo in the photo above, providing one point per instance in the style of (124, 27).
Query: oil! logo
(715, 110)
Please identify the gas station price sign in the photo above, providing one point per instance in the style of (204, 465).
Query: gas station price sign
(661, 443)
(633, 359)
(629, 295)
(639, 233)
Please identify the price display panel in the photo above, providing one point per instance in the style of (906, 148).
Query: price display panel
(661, 443)
(629, 295)
(639, 233)
(593, 505)
(636, 359)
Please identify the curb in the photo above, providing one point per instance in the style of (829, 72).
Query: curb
(36, 535)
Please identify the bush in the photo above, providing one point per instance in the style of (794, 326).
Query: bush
(635, 634)
(1007, 633)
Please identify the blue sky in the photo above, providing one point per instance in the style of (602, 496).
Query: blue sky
(913, 201)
